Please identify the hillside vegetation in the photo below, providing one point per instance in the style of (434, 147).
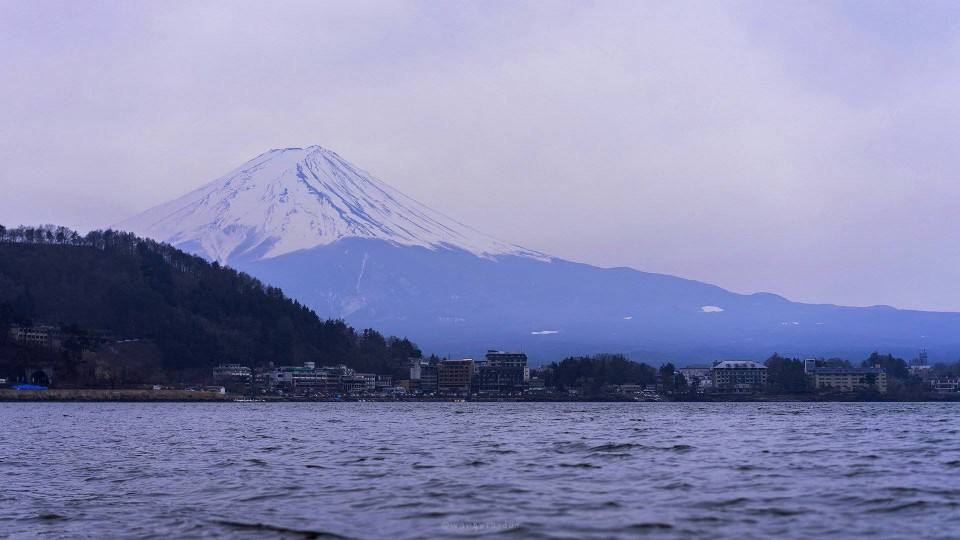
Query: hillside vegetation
(194, 313)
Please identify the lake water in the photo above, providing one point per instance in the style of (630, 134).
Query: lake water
(460, 470)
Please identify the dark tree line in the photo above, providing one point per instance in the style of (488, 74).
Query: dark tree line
(197, 313)
(591, 373)
(786, 375)
(895, 367)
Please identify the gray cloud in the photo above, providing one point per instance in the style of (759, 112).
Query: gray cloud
(801, 148)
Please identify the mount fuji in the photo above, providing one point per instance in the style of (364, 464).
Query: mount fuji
(350, 246)
(294, 199)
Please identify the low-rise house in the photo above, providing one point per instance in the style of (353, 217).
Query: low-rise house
(630, 388)
(925, 373)
(699, 377)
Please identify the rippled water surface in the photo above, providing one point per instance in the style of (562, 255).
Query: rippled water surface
(523, 470)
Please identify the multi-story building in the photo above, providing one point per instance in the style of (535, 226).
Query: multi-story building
(384, 384)
(230, 372)
(830, 376)
(305, 378)
(502, 373)
(945, 385)
(311, 379)
(850, 379)
(41, 336)
(499, 380)
(506, 359)
(234, 377)
(738, 377)
(423, 376)
(354, 383)
(454, 376)
(416, 368)
(334, 375)
(369, 381)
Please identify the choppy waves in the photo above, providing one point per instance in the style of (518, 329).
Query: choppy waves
(463, 470)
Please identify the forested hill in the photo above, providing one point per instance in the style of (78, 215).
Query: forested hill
(198, 314)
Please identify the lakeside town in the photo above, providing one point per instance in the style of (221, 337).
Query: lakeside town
(497, 376)
(505, 375)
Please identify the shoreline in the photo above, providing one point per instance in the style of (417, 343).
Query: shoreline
(183, 396)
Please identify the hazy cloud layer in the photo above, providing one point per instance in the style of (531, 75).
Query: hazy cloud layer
(804, 148)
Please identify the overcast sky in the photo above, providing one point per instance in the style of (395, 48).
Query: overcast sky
(804, 148)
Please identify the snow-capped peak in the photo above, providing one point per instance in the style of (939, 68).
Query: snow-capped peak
(292, 199)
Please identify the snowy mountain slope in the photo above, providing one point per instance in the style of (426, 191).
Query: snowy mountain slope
(293, 199)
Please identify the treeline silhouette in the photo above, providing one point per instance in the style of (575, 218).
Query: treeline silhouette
(591, 373)
(197, 313)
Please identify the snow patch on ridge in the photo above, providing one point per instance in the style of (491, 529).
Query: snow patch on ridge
(363, 268)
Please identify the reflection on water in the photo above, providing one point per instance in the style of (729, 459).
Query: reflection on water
(523, 470)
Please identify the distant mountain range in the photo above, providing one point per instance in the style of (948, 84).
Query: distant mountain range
(350, 246)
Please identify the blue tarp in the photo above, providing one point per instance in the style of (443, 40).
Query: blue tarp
(28, 387)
